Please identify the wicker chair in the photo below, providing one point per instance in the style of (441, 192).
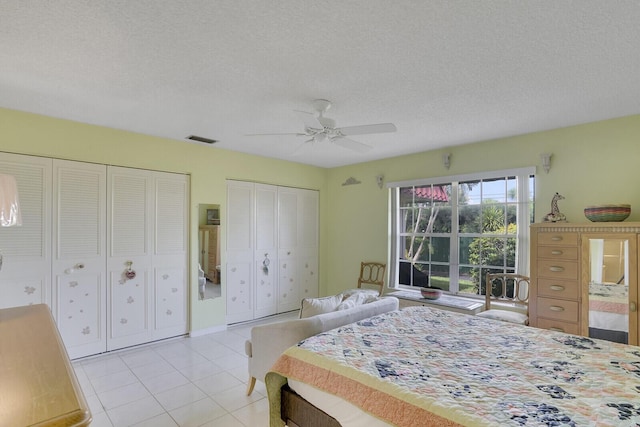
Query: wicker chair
(509, 305)
(372, 273)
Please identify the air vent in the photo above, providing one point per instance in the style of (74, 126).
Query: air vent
(202, 139)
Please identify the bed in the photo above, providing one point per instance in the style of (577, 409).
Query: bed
(427, 367)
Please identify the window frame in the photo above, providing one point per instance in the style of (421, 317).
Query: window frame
(526, 199)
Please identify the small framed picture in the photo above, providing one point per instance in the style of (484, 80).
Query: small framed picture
(213, 216)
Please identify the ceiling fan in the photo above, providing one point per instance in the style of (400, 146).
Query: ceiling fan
(319, 128)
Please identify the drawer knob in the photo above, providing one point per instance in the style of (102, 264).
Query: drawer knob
(554, 328)
(556, 268)
(556, 308)
(556, 288)
(556, 238)
(556, 252)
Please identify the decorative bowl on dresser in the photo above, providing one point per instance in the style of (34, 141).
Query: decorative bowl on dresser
(607, 213)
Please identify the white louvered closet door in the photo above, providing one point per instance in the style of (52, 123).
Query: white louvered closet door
(266, 252)
(25, 276)
(147, 290)
(240, 251)
(79, 251)
(288, 254)
(308, 208)
(170, 251)
(129, 229)
(272, 249)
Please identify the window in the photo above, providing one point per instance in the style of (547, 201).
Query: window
(449, 232)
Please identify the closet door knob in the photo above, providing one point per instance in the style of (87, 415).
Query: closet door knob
(632, 307)
(78, 266)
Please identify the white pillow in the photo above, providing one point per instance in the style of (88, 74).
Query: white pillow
(315, 306)
(356, 299)
(354, 291)
(346, 304)
(505, 316)
(370, 298)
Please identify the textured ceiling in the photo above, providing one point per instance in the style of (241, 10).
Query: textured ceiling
(445, 72)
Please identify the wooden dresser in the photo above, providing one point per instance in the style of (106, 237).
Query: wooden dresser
(38, 385)
(560, 273)
(555, 281)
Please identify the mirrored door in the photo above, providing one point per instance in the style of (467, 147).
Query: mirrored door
(209, 283)
(610, 287)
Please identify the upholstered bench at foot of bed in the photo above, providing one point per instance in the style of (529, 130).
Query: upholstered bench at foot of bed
(269, 341)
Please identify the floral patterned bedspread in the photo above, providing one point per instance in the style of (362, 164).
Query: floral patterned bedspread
(423, 366)
(609, 297)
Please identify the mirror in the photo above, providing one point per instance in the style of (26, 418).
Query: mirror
(209, 284)
(609, 289)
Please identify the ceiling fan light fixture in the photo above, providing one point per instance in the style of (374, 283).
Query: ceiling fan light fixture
(320, 137)
(327, 122)
(321, 105)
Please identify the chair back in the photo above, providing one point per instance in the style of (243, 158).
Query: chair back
(512, 289)
(372, 273)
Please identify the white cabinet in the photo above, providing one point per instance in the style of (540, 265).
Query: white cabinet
(84, 226)
(272, 249)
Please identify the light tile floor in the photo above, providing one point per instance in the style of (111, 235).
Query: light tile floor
(183, 381)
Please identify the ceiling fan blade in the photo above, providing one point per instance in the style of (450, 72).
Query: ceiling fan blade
(310, 120)
(351, 144)
(363, 129)
(301, 148)
(274, 134)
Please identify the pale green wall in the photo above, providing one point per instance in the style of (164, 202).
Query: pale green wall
(209, 167)
(594, 163)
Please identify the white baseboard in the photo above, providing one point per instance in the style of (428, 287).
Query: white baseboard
(213, 329)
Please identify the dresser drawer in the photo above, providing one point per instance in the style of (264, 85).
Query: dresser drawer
(564, 239)
(557, 309)
(558, 325)
(558, 252)
(557, 269)
(554, 288)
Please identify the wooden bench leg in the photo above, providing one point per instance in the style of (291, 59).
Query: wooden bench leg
(251, 385)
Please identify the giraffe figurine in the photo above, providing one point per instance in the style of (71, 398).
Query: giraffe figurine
(555, 215)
